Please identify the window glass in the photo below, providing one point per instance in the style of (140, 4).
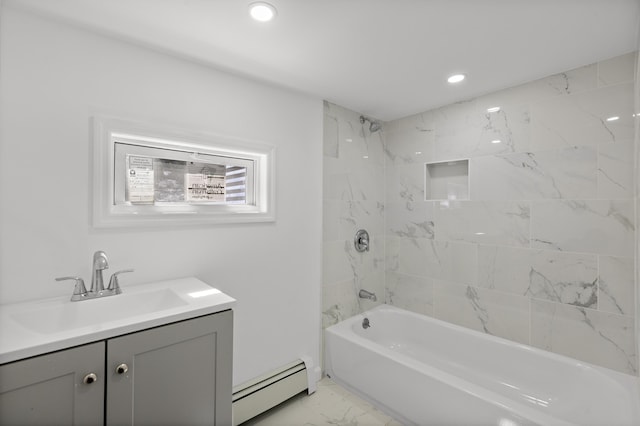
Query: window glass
(156, 176)
(148, 175)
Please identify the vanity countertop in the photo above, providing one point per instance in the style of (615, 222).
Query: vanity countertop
(37, 327)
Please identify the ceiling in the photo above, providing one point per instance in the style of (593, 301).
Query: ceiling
(384, 58)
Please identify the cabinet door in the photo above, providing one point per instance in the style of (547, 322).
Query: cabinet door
(50, 389)
(176, 374)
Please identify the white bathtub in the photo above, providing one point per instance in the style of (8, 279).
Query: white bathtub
(428, 372)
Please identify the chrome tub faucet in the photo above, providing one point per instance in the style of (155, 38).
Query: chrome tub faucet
(364, 294)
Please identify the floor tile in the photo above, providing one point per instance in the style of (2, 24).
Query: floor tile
(331, 404)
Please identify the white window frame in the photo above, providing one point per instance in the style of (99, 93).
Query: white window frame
(107, 212)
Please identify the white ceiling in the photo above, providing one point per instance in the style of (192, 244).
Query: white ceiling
(384, 58)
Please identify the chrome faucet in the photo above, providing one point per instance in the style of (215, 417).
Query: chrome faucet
(100, 263)
(364, 294)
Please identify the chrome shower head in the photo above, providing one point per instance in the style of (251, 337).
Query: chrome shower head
(374, 126)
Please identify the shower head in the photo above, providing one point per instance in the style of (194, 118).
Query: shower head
(374, 126)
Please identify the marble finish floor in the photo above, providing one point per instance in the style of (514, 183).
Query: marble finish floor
(331, 404)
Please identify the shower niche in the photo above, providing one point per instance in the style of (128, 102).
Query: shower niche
(447, 180)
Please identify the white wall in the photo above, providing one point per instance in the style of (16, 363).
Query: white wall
(53, 79)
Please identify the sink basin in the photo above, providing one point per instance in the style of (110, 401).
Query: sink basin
(87, 313)
(41, 326)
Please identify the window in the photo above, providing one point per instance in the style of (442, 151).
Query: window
(164, 177)
(146, 176)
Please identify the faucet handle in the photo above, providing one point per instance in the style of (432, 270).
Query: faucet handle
(114, 285)
(79, 291)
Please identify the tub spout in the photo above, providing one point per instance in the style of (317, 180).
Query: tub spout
(364, 294)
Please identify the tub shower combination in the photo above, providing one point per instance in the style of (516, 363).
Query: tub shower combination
(424, 371)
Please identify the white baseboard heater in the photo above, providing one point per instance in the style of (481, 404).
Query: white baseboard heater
(265, 392)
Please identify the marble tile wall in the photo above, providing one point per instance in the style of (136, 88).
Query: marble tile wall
(542, 251)
(354, 188)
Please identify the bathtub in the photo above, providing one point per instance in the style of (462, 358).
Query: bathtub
(423, 371)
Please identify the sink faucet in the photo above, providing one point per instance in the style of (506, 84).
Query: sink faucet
(100, 262)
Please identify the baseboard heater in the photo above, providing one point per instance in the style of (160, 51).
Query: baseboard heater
(259, 395)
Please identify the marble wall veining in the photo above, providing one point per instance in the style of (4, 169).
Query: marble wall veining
(353, 198)
(541, 252)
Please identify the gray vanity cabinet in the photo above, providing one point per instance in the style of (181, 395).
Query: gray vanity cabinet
(54, 389)
(178, 374)
(175, 374)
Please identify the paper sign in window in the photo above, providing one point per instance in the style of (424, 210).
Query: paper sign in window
(140, 180)
(205, 187)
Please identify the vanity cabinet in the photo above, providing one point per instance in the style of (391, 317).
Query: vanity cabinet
(179, 373)
(50, 389)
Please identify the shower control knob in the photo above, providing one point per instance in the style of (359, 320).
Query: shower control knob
(122, 368)
(90, 378)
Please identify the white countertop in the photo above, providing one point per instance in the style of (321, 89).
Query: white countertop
(36, 327)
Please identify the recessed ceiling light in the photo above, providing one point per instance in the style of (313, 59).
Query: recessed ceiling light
(262, 11)
(456, 78)
(493, 109)
(614, 118)
(496, 141)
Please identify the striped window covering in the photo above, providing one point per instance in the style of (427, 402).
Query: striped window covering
(236, 185)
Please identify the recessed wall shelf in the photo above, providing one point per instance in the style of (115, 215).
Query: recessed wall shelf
(447, 180)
